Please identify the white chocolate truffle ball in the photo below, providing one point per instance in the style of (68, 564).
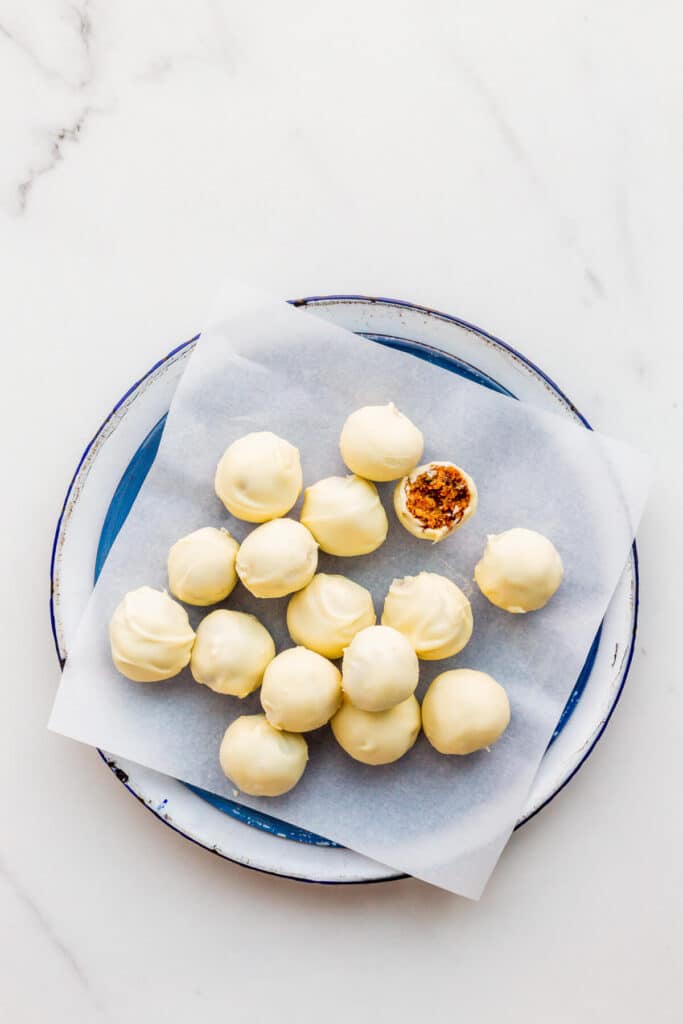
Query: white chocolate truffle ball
(377, 737)
(434, 500)
(464, 711)
(301, 690)
(261, 760)
(345, 515)
(431, 612)
(326, 615)
(379, 443)
(201, 566)
(379, 669)
(259, 477)
(231, 652)
(519, 571)
(277, 558)
(151, 637)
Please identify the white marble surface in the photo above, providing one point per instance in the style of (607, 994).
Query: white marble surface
(517, 164)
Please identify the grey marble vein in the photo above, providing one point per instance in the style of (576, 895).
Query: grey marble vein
(84, 28)
(509, 136)
(518, 151)
(69, 133)
(32, 57)
(55, 940)
(594, 282)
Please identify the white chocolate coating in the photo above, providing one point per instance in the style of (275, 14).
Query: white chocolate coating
(380, 669)
(326, 615)
(519, 571)
(345, 515)
(464, 711)
(259, 477)
(431, 612)
(378, 737)
(301, 690)
(415, 525)
(277, 558)
(231, 652)
(150, 635)
(201, 566)
(379, 443)
(261, 760)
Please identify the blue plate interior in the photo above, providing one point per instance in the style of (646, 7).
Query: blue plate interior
(127, 491)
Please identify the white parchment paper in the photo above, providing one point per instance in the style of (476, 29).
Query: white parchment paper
(264, 365)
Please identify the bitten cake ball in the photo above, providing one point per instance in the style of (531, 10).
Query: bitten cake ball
(345, 515)
(378, 737)
(464, 711)
(259, 477)
(201, 566)
(431, 612)
(380, 669)
(434, 500)
(326, 615)
(277, 558)
(151, 637)
(379, 443)
(261, 760)
(231, 652)
(301, 690)
(519, 571)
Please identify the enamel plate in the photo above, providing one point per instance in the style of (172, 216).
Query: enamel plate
(104, 487)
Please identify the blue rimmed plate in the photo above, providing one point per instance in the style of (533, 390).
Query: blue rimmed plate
(104, 488)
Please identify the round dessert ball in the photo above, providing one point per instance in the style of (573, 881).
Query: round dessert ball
(259, 477)
(431, 612)
(261, 760)
(150, 635)
(301, 690)
(464, 711)
(231, 652)
(277, 558)
(201, 566)
(434, 500)
(519, 571)
(378, 737)
(326, 615)
(379, 443)
(345, 515)
(380, 669)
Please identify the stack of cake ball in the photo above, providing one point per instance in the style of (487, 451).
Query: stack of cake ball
(369, 700)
